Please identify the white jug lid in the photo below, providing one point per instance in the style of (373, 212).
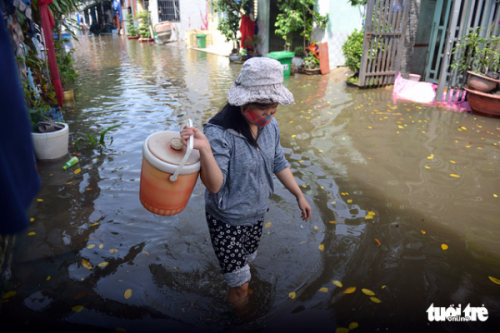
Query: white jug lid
(159, 146)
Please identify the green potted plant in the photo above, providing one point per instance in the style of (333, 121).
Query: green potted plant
(67, 72)
(311, 64)
(144, 32)
(131, 29)
(243, 54)
(229, 26)
(253, 42)
(480, 58)
(352, 50)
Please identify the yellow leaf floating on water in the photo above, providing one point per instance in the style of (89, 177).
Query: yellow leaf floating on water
(292, 295)
(430, 157)
(452, 161)
(91, 246)
(375, 300)
(353, 325)
(10, 294)
(32, 219)
(103, 264)
(101, 246)
(422, 231)
(349, 290)
(31, 233)
(368, 217)
(146, 252)
(496, 196)
(94, 224)
(341, 330)
(303, 242)
(323, 290)
(332, 222)
(78, 171)
(427, 167)
(383, 287)
(86, 264)
(453, 175)
(39, 200)
(444, 246)
(337, 283)
(293, 136)
(349, 201)
(268, 224)
(463, 127)
(321, 247)
(113, 250)
(494, 280)
(77, 308)
(128, 293)
(371, 213)
(316, 227)
(367, 292)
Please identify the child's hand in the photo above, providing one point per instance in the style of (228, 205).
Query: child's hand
(304, 207)
(200, 141)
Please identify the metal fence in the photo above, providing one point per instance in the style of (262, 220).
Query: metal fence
(169, 10)
(465, 15)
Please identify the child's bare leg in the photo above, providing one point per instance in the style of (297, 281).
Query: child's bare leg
(237, 293)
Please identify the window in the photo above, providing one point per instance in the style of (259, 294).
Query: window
(168, 10)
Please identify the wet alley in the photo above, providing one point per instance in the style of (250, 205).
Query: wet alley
(405, 199)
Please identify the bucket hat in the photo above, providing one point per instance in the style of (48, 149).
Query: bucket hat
(260, 81)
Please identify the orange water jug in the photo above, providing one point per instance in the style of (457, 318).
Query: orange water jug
(169, 172)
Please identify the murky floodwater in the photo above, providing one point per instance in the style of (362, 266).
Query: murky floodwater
(381, 170)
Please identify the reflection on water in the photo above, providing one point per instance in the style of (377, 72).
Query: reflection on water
(371, 168)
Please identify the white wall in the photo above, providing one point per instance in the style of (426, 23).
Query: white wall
(344, 18)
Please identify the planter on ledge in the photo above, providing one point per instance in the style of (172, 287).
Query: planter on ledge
(480, 82)
(133, 37)
(144, 40)
(483, 103)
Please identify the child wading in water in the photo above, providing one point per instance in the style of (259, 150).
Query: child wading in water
(240, 151)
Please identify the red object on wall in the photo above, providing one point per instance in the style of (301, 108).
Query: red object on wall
(247, 29)
(324, 60)
(47, 24)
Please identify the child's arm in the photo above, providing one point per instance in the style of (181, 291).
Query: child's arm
(286, 178)
(210, 173)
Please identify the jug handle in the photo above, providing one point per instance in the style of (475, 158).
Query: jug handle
(189, 149)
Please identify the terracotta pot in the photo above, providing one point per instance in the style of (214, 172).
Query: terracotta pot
(133, 37)
(483, 103)
(314, 71)
(481, 82)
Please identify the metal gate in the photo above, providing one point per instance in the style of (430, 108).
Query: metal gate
(386, 22)
(465, 15)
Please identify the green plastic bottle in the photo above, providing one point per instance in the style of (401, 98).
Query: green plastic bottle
(71, 162)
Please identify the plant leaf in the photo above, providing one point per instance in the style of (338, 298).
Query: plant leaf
(494, 280)
(10, 294)
(375, 300)
(292, 295)
(101, 139)
(86, 264)
(103, 264)
(353, 325)
(349, 290)
(128, 293)
(337, 283)
(77, 308)
(367, 292)
(323, 290)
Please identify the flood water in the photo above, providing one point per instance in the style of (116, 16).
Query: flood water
(377, 173)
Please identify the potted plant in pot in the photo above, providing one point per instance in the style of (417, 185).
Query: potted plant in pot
(50, 138)
(144, 31)
(310, 65)
(131, 29)
(352, 50)
(251, 45)
(67, 71)
(480, 57)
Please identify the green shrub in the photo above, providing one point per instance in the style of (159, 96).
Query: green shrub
(352, 49)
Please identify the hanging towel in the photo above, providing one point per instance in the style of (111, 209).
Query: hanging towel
(247, 29)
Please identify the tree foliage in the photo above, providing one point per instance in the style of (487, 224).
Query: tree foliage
(230, 25)
(298, 15)
(352, 49)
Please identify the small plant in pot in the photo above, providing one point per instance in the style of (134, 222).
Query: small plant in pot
(131, 29)
(67, 72)
(144, 26)
(251, 45)
(352, 50)
(311, 64)
(480, 58)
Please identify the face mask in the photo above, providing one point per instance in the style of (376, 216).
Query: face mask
(257, 120)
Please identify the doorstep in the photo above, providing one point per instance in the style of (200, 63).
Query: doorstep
(219, 52)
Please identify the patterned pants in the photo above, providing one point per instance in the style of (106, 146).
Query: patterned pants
(234, 246)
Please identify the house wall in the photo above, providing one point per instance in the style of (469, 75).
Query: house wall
(344, 18)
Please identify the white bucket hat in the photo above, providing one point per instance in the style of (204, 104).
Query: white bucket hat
(260, 81)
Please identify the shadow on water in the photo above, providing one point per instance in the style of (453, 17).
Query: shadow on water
(371, 167)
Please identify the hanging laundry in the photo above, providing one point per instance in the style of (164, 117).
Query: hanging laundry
(247, 29)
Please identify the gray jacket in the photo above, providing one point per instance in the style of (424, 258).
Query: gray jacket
(247, 173)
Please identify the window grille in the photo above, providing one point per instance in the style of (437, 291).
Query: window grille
(169, 10)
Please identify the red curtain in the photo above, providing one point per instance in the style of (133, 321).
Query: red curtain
(47, 24)
(247, 29)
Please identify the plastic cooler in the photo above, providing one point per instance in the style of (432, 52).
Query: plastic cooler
(285, 58)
